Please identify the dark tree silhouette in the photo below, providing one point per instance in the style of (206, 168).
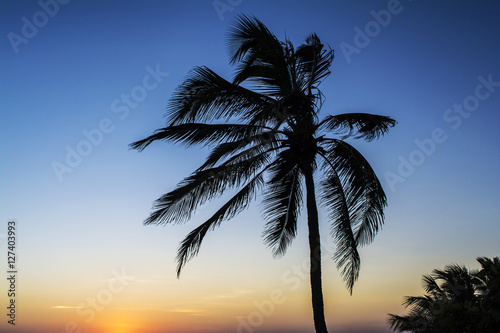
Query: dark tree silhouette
(266, 136)
(456, 300)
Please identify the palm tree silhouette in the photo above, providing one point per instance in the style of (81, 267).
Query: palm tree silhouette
(266, 136)
(456, 300)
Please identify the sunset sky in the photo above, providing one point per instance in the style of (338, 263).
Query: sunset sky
(80, 80)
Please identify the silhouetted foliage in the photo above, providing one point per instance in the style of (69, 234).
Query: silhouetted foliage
(265, 136)
(456, 300)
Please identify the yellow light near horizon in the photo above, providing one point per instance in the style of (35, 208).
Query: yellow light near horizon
(116, 323)
(120, 328)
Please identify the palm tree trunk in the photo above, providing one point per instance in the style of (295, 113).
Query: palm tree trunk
(315, 255)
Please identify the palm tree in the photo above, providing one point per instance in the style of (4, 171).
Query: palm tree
(457, 300)
(437, 311)
(265, 135)
(488, 290)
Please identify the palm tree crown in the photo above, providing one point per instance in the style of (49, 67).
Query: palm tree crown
(266, 136)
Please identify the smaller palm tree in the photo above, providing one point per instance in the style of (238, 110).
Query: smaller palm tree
(457, 300)
(488, 286)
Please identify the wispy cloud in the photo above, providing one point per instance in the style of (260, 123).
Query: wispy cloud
(150, 308)
(65, 307)
(235, 293)
(193, 312)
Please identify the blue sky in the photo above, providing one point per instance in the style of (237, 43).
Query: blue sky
(91, 77)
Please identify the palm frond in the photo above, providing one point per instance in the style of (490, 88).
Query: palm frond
(411, 323)
(421, 303)
(243, 148)
(365, 197)
(358, 125)
(398, 323)
(178, 205)
(205, 96)
(274, 114)
(346, 255)
(457, 281)
(196, 133)
(489, 276)
(282, 203)
(247, 34)
(431, 286)
(313, 62)
(259, 55)
(190, 246)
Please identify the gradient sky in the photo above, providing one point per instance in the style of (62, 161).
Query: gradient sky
(85, 261)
